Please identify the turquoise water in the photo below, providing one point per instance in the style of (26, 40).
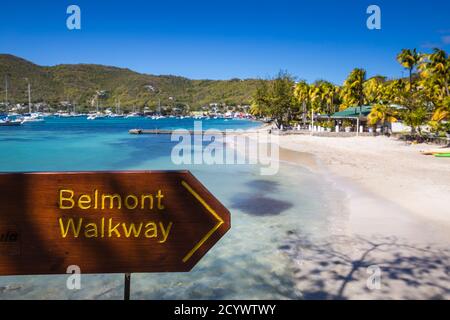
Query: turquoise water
(80, 144)
(250, 262)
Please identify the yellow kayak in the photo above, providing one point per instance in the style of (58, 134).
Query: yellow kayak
(435, 151)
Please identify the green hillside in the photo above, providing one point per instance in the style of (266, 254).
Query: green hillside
(83, 83)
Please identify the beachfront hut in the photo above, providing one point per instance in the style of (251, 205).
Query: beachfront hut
(357, 116)
(353, 112)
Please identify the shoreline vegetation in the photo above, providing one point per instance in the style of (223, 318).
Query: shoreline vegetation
(420, 102)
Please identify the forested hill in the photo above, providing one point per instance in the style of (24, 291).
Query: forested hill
(83, 83)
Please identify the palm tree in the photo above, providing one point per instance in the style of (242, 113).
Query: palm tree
(409, 59)
(315, 96)
(435, 77)
(301, 93)
(438, 64)
(328, 96)
(373, 90)
(383, 114)
(443, 112)
(352, 92)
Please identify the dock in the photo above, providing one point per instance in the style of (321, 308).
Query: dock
(191, 132)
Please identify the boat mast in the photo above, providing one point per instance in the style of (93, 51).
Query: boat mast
(6, 89)
(29, 96)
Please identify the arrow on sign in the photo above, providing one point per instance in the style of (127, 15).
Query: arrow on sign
(207, 207)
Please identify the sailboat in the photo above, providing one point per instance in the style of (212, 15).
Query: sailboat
(133, 114)
(117, 114)
(32, 117)
(97, 115)
(7, 122)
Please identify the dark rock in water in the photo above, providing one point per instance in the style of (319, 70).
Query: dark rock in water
(260, 206)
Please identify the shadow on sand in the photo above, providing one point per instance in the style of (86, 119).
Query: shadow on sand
(337, 268)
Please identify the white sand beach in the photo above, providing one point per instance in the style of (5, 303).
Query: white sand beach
(398, 218)
(379, 171)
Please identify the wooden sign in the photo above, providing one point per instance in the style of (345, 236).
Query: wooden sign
(106, 222)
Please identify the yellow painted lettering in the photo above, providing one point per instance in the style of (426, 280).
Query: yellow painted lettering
(135, 202)
(102, 230)
(160, 196)
(111, 198)
(111, 229)
(95, 199)
(64, 199)
(84, 202)
(70, 225)
(90, 230)
(151, 230)
(165, 232)
(150, 200)
(132, 229)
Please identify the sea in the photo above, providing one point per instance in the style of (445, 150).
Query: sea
(254, 260)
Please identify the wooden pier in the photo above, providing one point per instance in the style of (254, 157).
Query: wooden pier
(191, 132)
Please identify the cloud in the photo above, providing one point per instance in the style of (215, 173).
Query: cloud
(431, 45)
(446, 39)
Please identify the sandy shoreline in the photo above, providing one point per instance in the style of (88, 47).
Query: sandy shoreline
(383, 178)
(398, 218)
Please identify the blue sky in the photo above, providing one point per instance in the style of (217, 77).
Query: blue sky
(225, 39)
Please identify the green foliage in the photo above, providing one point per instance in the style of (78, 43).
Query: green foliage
(352, 92)
(415, 118)
(275, 99)
(327, 124)
(381, 113)
(409, 59)
(347, 123)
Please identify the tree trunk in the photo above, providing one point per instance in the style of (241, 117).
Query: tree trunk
(410, 79)
(304, 113)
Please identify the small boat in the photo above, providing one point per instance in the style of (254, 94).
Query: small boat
(114, 115)
(442, 155)
(156, 117)
(132, 115)
(96, 116)
(32, 118)
(10, 123)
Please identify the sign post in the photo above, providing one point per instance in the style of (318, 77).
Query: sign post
(106, 222)
(127, 286)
